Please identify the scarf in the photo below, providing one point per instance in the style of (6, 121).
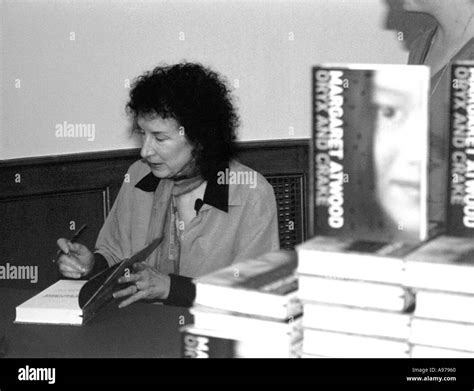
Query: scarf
(164, 220)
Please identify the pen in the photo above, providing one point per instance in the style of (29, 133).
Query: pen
(73, 239)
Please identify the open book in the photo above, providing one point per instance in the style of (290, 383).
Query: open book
(76, 302)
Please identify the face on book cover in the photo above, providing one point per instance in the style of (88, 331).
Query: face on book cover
(399, 141)
(165, 146)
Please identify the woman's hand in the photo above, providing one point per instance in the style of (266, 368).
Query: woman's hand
(148, 283)
(76, 260)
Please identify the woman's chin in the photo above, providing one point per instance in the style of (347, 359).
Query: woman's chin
(410, 5)
(411, 232)
(423, 6)
(160, 172)
(408, 228)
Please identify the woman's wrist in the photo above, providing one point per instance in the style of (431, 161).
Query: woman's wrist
(182, 291)
(98, 263)
(166, 287)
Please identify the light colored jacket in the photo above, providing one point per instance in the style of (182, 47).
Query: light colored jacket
(238, 221)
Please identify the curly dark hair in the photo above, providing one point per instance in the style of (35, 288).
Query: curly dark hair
(198, 99)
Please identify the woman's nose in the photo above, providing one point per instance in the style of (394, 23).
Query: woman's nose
(147, 148)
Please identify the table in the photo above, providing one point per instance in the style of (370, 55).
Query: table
(141, 330)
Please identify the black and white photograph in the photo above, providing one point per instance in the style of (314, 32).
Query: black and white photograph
(282, 187)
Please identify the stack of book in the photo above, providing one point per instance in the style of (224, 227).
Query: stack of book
(368, 208)
(354, 302)
(442, 271)
(247, 310)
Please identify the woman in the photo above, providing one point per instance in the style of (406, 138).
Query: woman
(452, 39)
(185, 190)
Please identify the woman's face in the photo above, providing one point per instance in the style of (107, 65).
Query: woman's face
(434, 7)
(165, 147)
(400, 145)
(419, 5)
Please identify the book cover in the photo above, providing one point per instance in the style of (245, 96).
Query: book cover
(369, 152)
(361, 294)
(443, 334)
(345, 345)
(205, 343)
(356, 320)
(455, 307)
(265, 286)
(254, 274)
(460, 210)
(353, 259)
(57, 304)
(445, 263)
(195, 344)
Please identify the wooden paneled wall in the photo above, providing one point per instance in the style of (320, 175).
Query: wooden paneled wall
(44, 198)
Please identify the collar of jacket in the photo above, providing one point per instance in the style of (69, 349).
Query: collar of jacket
(216, 194)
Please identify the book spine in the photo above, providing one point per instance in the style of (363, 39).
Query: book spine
(195, 345)
(344, 126)
(328, 150)
(460, 208)
(199, 345)
(311, 216)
